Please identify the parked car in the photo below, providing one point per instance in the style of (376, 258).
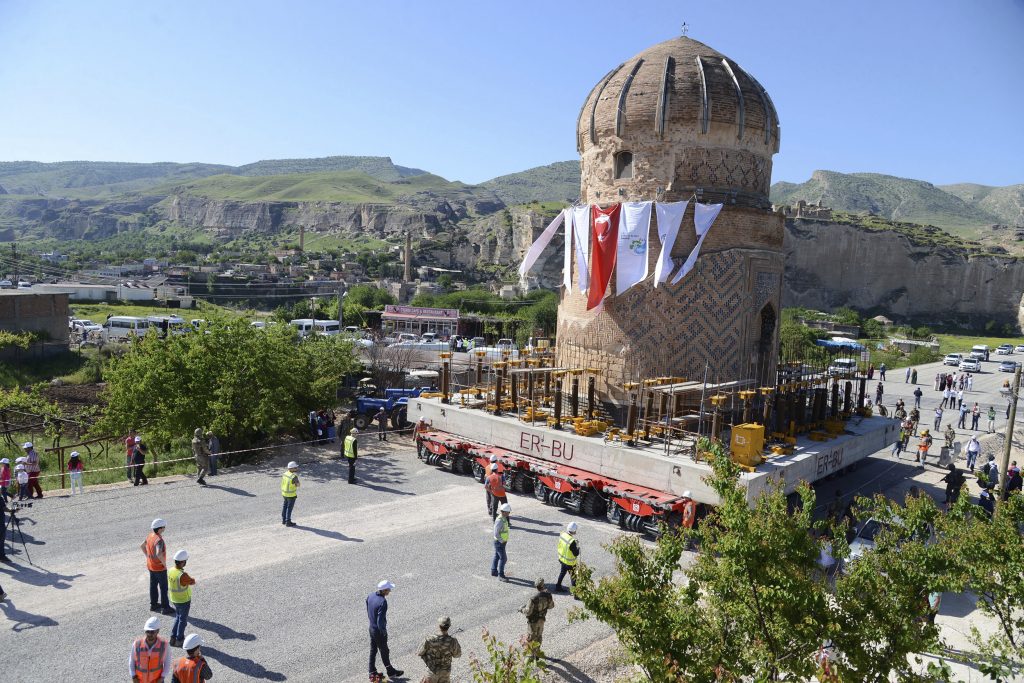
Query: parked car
(1005, 349)
(842, 367)
(970, 365)
(407, 337)
(87, 326)
(866, 538)
(1018, 349)
(1008, 366)
(953, 359)
(429, 337)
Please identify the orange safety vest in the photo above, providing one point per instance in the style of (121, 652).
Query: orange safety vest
(153, 562)
(149, 664)
(689, 513)
(186, 669)
(494, 485)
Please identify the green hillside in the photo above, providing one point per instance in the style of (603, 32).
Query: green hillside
(558, 182)
(899, 199)
(1005, 203)
(87, 179)
(381, 168)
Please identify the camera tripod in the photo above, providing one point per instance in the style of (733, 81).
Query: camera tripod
(15, 524)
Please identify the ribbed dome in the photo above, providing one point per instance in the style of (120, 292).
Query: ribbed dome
(679, 83)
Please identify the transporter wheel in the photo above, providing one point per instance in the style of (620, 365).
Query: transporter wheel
(421, 451)
(398, 420)
(540, 492)
(465, 465)
(361, 421)
(593, 505)
(523, 483)
(478, 471)
(614, 514)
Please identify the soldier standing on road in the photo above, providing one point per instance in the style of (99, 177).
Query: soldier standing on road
(568, 555)
(501, 528)
(289, 492)
(150, 658)
(377, 612)
(156, 562)
(437, 653)
(950, 436)
(350, 449)
(536, 611)
(201, 452)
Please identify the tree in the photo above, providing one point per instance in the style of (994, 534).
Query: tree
(445, 281)
(754, 604)
(507, 663)
(846, 316)
(872, 329)
(242, 382)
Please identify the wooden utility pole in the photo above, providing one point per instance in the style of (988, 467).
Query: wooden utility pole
(1004, 464)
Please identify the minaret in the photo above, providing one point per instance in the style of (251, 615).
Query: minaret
(407, 276)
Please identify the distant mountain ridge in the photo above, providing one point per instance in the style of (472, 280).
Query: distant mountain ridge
(557, 182)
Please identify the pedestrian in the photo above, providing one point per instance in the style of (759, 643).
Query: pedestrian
(879, 390)
(987, 502)
(906, 379)
(973, 449)
(989, 473)
(382, 424)
(1013, 469)
(75, 468)
(897, 446)
(192, 667)
(1014, 481)
(32, 467)
(568, 555)
(491, 506)
(939, 379)
(991, 419)
(289, 492)
(962, 422)
(960, 398)
(139, 462)
(350, 449)
(496, 489)
(437, 653)
(129, 450)
(881, 372)
(5, 478)
(913, 376)
(917, 397)
(377, 612)
(954, 480)
(202, 455)
(975, 415)
(501, 528)
(22, 477)
(332, 429)
(150, 658)
(871, 371)
(213, 445)
(156, 563)
(946, 395)
(536, 611)
(179, 585)
(970, 382)
(938, 418)
(923, 447)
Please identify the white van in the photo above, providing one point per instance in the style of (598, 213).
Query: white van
(308, 326)
(121, 327)
(979, 352)
(843, 367)
(174, 324)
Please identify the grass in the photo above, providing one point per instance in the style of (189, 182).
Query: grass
(955, 343)
(32, 371)
(98, 312)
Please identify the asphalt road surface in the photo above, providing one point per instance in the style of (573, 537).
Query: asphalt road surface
(276, 603)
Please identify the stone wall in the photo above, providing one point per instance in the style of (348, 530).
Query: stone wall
(29, 312)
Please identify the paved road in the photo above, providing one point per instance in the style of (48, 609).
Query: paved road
(287, 604)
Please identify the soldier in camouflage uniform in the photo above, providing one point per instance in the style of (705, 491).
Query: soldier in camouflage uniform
(536, 610)
(437, 652)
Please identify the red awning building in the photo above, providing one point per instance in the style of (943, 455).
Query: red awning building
(444, 322)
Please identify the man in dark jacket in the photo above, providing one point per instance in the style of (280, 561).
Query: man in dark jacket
(377, 612)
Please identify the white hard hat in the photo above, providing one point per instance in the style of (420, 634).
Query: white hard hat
(385, 585)
(505, 507)
(138, 439)
(153, 624)
(293, 465)
(20, 468)
(5, 461)
(158, 524)
(76, 454)
(21, 459)
(494, 458)
(494, 467)
(181, 556)
(27, 444)
(686, 494)
(192, 641)
(423, 419)
(571, 527)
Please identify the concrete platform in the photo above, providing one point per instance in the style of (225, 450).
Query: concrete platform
(650, 466)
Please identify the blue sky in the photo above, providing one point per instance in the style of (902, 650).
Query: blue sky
(927, 89)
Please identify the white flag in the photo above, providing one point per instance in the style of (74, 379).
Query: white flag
(669, 215)
(567, 265)
(581, 233)
(534, 252)
(634, 230)
(703, 216)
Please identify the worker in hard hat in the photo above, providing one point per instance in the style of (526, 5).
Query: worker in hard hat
(201, 452)
(289, 492)
(377, 613)
(496, 488)
(156, 562)
(568, 555)
(192, 668)
(350, 449)
(150, 658)
(180, 584)
(536, 611)
(437, 653)
(501, 528)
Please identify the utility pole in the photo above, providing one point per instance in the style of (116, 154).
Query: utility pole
(1005, 463)
(14, 257)
(341, 319)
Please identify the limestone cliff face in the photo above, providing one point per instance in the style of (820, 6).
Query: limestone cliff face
(71, 219)
(830, 265)
(503, 238)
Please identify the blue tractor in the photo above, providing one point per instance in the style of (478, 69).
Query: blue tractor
(395, 402)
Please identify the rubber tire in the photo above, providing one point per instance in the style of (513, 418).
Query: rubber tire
(540, 492)
(524, 483)
(614, 514)
(465, 465)
(361, 421)
(593, 505)
(421, 451)
(478, 471)
(398, 420)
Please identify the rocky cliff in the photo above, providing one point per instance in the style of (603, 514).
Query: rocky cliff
(72, 219)
(831, 264)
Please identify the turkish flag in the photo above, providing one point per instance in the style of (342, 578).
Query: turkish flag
(604, 240)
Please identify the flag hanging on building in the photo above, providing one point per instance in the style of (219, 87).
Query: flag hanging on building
(631, 259)
(535, 250)
(581, 235)
(605, 240)
(567, 263)
(669, 216)
(703, 216)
